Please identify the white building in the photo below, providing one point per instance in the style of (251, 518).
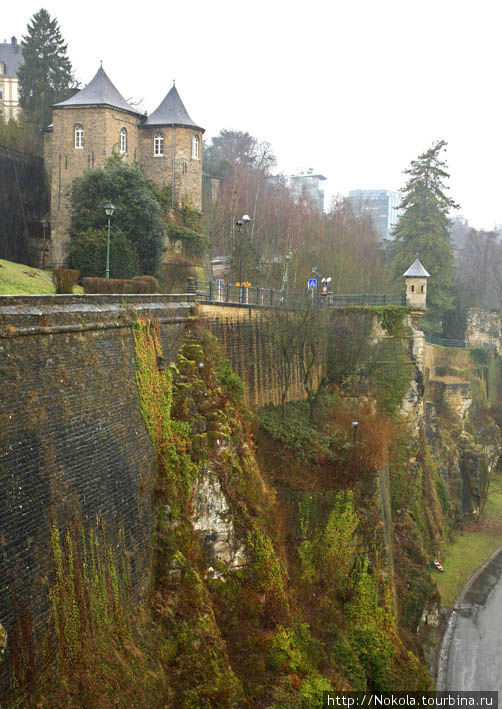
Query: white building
(308, 183)
(11, 55)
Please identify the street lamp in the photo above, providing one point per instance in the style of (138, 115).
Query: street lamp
(109, 209)
(243, 222)
(355, 426)
(285, 280)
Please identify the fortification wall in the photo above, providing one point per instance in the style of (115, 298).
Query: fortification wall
(72, 439)
(24, 197)
(244, 334)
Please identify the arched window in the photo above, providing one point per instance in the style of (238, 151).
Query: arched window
(422, 288)
(2, 68)
(123, 140)
(412, 289)
(195, 147)
(79, 136)
(158, 144)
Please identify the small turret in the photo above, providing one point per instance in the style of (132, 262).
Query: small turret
(416, 286)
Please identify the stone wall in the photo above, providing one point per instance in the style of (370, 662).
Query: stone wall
(244, 334)
(72, 438)
(484, 329)
(159, 168)
(24, 197)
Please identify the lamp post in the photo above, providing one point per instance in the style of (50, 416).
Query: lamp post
(240, 223)
(44, 253)
(285, 280)
(109, 209)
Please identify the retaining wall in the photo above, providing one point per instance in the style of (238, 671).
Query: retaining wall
(72, 439)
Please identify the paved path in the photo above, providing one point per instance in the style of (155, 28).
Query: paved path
(475, 654)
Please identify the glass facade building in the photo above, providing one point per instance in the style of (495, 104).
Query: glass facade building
(382, 205)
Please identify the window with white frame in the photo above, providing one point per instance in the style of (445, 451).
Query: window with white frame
(123, 140)
(158, 144)
(79, 136)
(195, 147)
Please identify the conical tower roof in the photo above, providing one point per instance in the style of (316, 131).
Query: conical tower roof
(171, 112)
(416, 270)
(99, 92)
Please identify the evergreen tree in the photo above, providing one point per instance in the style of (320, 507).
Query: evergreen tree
(424, 230)
(138, 214)
(45, 76)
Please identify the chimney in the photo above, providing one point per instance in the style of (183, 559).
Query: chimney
(13, 40)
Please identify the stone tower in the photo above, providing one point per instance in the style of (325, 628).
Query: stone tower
(87, 129)
(171, 150)
(416, 286)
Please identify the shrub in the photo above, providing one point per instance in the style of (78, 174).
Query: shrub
(115, 285)
(153, 283)
(193, 244)
(64, 279)
(137, 211)
(88, 254)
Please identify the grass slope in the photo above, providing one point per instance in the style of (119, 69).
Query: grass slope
(470, 549)
(18, 279)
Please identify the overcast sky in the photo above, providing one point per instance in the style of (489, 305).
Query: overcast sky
(355, 89)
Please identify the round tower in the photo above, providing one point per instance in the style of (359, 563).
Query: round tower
(171, 150)
(416, 286)
(87, 129)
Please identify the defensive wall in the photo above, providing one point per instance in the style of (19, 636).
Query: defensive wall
(24, 198)
(244, 334)
(72, 439)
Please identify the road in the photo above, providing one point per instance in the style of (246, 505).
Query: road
(475, 654)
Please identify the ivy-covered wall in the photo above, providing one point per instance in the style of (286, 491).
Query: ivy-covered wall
(72, 439)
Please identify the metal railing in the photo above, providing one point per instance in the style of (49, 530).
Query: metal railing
(444, 341)
(217, 292)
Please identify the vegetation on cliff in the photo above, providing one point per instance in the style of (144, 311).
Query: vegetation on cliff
(292, 553)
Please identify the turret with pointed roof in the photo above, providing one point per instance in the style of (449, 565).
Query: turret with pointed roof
(100, 91)
(416, 286)
(87, 129)
(171, 150)
(171, 112)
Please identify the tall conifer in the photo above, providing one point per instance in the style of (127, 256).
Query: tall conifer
(45, 77)
(424, 230)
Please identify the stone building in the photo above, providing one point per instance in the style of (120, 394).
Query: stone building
(11, 56)
(416, 286)
(98, 122)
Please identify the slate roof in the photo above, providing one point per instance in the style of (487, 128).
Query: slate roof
(171, 112)
(11, 55)
(99, 91)
(416, 270)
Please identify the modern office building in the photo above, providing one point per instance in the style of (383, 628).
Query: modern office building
(308, 183)
(382, 205)
(11, 56)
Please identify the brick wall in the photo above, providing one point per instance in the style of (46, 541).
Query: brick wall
(244, 333)
(159, 168)
(72, 439)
